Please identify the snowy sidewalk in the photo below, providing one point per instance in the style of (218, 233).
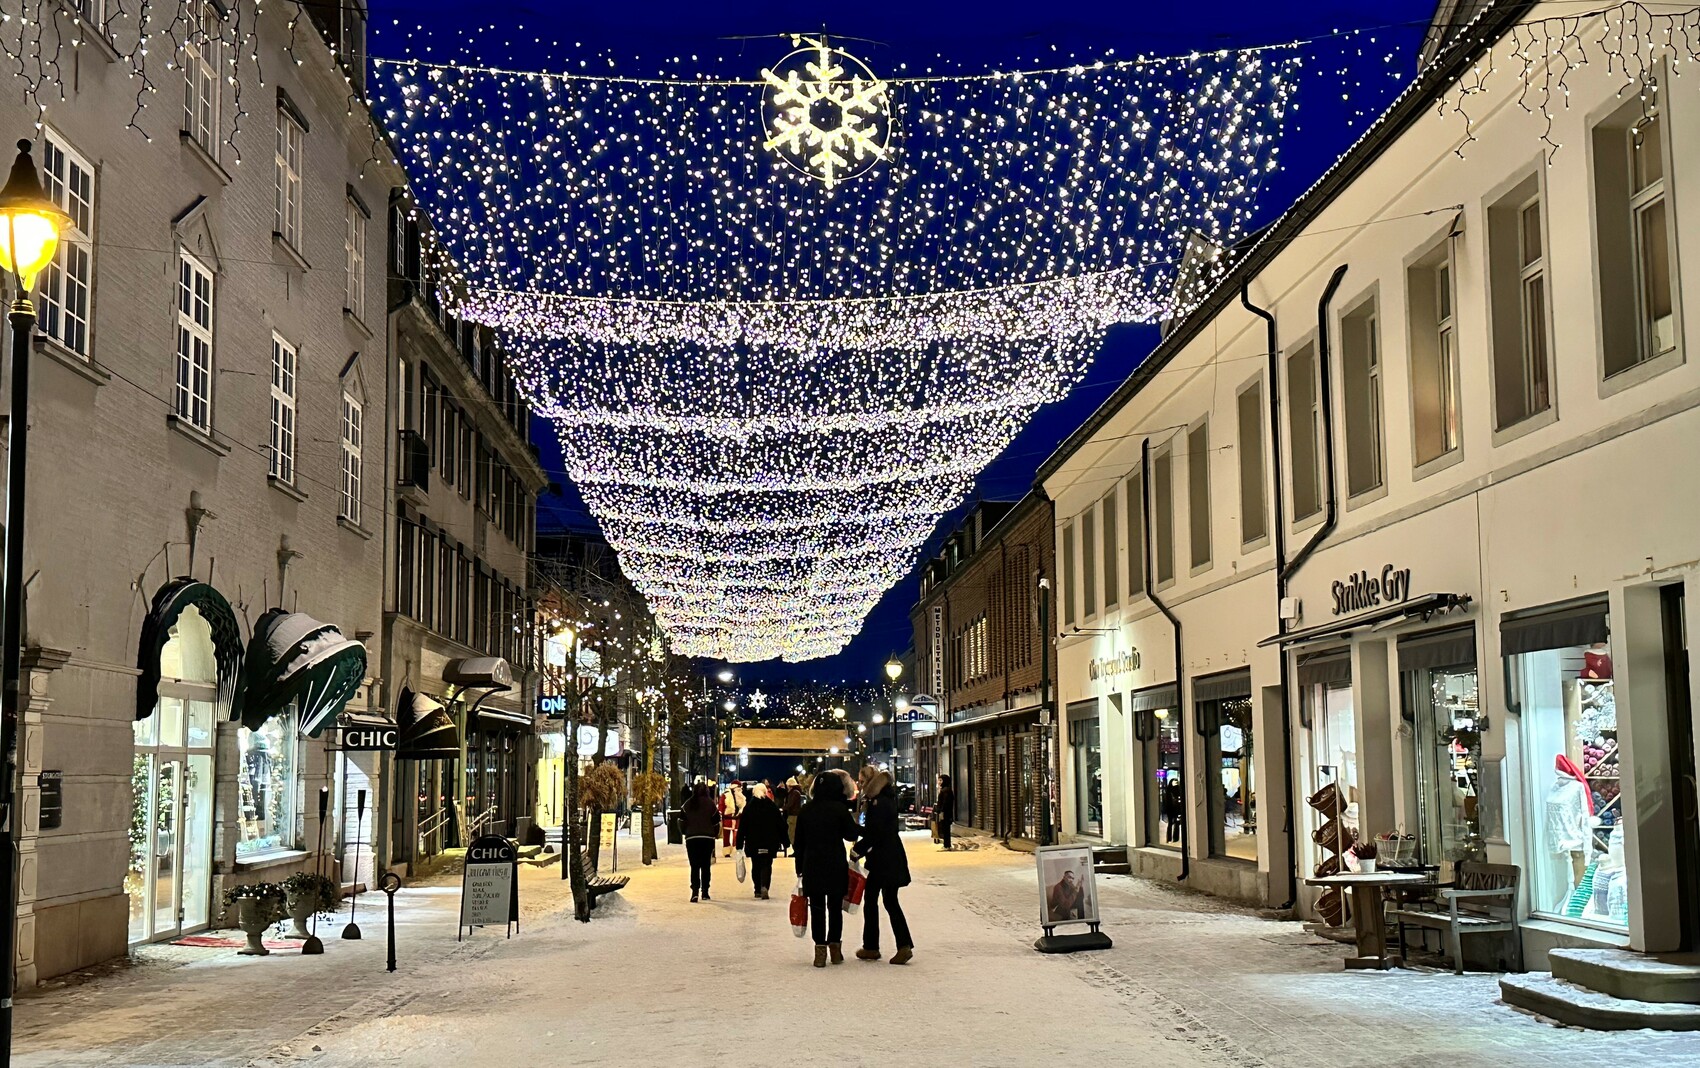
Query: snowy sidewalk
(655, 980)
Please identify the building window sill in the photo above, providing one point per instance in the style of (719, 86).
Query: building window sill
(74, 362)
(273, 859)
(1366, 496)
(203, 438)
(1526, 425)
(1630, 377)
(354, 319)
(284, 245)
(92, 34)
(286, 488)
(1439, 463)
(353, 528)
(206, 158)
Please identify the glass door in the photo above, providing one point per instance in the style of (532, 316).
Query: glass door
(169, 878)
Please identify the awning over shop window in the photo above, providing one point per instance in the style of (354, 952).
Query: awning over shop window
(1429, 604)
(168, 605)
(1010, 716)
(428, 732)
(1222, 687)
(1561, 628)
(294, 657)
(1156, 697)
(1325, 669)
(504, 718)
(1453, 647)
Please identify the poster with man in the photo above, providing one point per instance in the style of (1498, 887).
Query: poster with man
(1067, 893)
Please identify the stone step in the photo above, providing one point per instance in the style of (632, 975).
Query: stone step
(1665, 977)
(1113, 869)
(1540, 992)
(1112, 854)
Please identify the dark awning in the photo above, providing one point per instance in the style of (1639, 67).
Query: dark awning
(1222, 686)
(428, 732)
(1429, 604)
(1325, 669)
(169, 604)
(1452, 647)
(1562, 628)
(294, 657)
(1013, 715)
(505, 718)
(1156, 697)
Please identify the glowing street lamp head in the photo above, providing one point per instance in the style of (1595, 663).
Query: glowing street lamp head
(725, 675)
(29, 222)
(893, 669)
(879, 717)
(838, 713)
(730, 705)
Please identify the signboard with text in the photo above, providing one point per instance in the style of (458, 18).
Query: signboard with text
(489, 887)
(370, 738)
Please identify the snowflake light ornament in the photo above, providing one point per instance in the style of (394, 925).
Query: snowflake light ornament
(758, 701)
(826, 113)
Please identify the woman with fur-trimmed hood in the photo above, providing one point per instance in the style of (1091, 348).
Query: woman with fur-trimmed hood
(881, 848)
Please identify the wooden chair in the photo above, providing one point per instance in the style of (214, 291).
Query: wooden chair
(1482, 901)
(596, 885)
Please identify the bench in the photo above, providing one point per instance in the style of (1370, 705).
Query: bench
(1482, 901)
(595, 885)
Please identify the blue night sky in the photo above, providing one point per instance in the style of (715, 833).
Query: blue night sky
(1348, 80)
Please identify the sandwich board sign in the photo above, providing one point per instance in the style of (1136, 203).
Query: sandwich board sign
(489, 886)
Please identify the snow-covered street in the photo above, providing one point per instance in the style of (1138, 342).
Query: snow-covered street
(657, 980)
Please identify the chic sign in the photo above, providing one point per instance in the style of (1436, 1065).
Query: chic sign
(1363, 591)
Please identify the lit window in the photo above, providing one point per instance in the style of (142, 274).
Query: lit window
(66, 285)
(194, 342)
(283, 410)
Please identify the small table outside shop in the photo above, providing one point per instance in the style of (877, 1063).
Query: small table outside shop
(1367, 916)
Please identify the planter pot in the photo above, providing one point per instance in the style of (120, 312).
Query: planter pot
(300, 908)
(1366, 866)
(254, 917)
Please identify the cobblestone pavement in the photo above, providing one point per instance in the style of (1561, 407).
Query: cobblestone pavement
(1192, 981)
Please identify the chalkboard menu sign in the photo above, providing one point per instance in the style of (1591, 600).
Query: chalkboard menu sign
(489, 888)
(52, 799)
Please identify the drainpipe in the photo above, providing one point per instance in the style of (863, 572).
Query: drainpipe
(1330, 497)
(1272, 346)
(1180, 684)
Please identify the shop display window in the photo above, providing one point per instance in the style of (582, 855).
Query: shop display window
(1334, 761)
(267, 781)
(1165, 797)
(1086, 757)
(1233, 783)
(1570, 729)
(1448, 732)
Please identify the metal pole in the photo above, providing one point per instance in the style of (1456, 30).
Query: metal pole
(22, 318)
(1046, 712)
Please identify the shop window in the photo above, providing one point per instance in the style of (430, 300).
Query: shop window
(1227, 724)
(1360, 372)
(1135, 487)
(1435, 424)
(1068, 580)
(1328, 710)
(1089, 563)
(1158, 730)
(267, 781)
(1254, 509)
(1638, 312)
(1304, 426)
(1559, 681)
(1517, 290)
(1163, 516)
(1086, 760)
(1111, 593)
(1198, 494)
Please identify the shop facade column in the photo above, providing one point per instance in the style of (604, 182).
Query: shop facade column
(1376, 721)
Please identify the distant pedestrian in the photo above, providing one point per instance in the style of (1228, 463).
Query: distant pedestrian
(761, 834)
(731, 807)
(1171, 806)
(823, 826)
(702, 826)
(944, 809)
(881, 846)
(793, 805)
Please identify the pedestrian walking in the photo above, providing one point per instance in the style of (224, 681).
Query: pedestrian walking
(881, 847)
(793, 805)
(944, 809)
(731, 807)
(823, 827)
(702, 826)
(761, 834)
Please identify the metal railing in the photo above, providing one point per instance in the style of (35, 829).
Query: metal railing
(479, 822)
(431, 827)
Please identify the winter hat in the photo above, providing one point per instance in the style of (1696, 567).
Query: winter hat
(792, 781)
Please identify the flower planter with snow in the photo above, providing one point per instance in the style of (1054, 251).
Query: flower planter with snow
(258, 906)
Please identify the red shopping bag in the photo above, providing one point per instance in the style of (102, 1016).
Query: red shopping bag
(858, 884)
(799, 912)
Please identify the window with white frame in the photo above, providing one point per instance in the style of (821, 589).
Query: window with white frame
(194, 342)
(1360, 372)
(66, 286)
(352, 435)
(289, 139)
(200, 73)
(284, 370)
(1304, 423)
(354, 258)
(1650, 230)
(1436, 430)
(1633, 221)
(1517, 291)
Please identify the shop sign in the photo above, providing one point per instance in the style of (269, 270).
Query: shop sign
(587, 741)
(375, 739)
(489, 887)
(1108, 667)
(1363, 591)
(52, 799)
(552, 705)
(937, 644)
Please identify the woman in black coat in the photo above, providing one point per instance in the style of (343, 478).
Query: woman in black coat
(823, 826)
(881, 847)
(702, 829)
(761, 835)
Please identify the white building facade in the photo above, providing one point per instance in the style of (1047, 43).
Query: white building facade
(1423, 535)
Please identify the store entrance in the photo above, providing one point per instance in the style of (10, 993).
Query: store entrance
(1680, 714)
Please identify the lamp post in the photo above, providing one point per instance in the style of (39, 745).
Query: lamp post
(29, 233)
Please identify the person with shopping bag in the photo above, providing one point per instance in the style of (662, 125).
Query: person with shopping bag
(701, 826)
(761, 835)
(881, 847)
(824, 825)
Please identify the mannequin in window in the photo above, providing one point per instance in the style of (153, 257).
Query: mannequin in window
(1596, 661)
(1570, 815)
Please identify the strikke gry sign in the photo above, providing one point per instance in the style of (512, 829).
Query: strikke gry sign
(489, 887)
(1363, 591)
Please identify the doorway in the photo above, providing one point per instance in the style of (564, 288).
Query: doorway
(1680, 716)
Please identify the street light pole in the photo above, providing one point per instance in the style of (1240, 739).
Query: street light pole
(29, 232)
(1047, 713)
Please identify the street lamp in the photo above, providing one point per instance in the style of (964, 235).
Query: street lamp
(838, 713)
(879, 717)
(725, 675)
(893, 669)
(29, 233)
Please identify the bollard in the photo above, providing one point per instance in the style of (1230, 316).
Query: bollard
(389, 884)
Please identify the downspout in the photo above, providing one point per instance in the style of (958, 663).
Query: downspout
(1180, 684)
(1331, 508)
(1280, 531)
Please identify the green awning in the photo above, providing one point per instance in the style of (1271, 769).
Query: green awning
(294, 657)
(428, 732)
(168, 606)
